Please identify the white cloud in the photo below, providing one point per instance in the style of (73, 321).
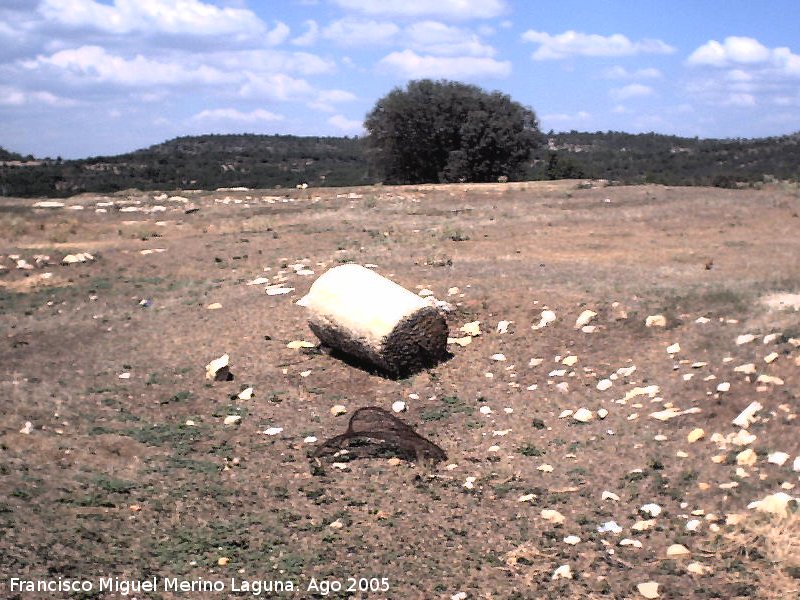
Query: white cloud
(181, 17)
(274, 86)
(326, 99)
(271, 61)
(353, 32)
(93, 63)
(345, 125)
(437, 38)
(12, 96)
(746, 52)
(567, 118)
(457, 10)
(618, 72)
(411, 65)
(634, 90)
(232, 114)
(309, 38)
(573, 43)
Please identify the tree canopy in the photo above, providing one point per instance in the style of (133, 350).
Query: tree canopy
(445, 131)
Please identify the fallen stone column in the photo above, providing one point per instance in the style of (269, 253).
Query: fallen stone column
(364, 315)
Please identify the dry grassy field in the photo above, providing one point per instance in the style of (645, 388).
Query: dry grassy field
(118, 458)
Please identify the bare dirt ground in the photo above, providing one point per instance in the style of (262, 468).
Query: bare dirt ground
(116, 459)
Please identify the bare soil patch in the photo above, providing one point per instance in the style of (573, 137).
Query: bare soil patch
(128, 468)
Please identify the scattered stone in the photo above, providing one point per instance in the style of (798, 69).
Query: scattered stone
(769, 379)
(724, 387)
(545, 468)
(602, 413)
(553, 516)
(796, 464)
(776, 504)
(498, 357)
(630, 542)
(232, 419)
(771, 357)
(674, 348)
(214, 306)
(584, 319)
(485, 410)
(604, 384)
(80, 257)
(219, 369)
(562, 572)
(562, 387)
(462, 341)
(338, 409)
(695, 568)
(644, 525)
(48, 204)
(245, 394)
(566, 413)
(655, 321)
(502, 326)
(273, 430)
(535, 362)
(677, 550)
(572, 540)
(309, 439)
(745, 339)
(472, 329)
(748, 415)
(672, 412)
(649, 589)
(278, 291)
(570, 360)
(695, 434)
(394, 461)
(693, 525)
(223, 560)
(258, 281)
(583, 415)
(297, 344)
(609, 496)
(702, 320)
(27, 429)
(399, 406)
(609, 527)
(777, 458)
(651, 509)
(526, 498)
(547, 317)
(771, 337)
(747, 369)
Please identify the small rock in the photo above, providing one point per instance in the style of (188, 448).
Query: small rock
(553, 516)
(502, 326)
(769, 379)
(461, 341)
(777, 458)
(219, 369)
(572, 540)
(399, 406)
(338, 409)
(602, 413)
(693, 524)
(724, 387)
(649, 589)
(394, 461)
(562, 572)
(459, 596)
(695, 568)
(570, 361)
(545, 468)
(485, 410)
(273, 430)
(748, 415)
(278, 291)
(796, 464)
(604, 384)
(777, 504)
(297, 344)
(245, 394)
(609, 527)
(223, 560)
(214, 306)
(606, 495)
(771, 357)
(674, 348)
(547, 317)
(695, 434)
(232, 419)
(745, 339)
(309, 439)
(498, 357)
(746, 458)
(585, 318)
(27, 428)
(337, 524)
(473, 329)
(630, 542)
(655, 321)
(526, 498)
(644, 525)
(651, 509)
(583, 415)
(747, 369)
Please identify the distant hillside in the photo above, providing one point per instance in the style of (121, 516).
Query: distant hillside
(268, 161)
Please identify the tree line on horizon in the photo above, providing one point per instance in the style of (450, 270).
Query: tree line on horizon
(429, 132)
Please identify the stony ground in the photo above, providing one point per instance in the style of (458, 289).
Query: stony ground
(593, 455)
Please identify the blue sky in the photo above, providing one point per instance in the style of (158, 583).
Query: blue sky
(94, 77)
